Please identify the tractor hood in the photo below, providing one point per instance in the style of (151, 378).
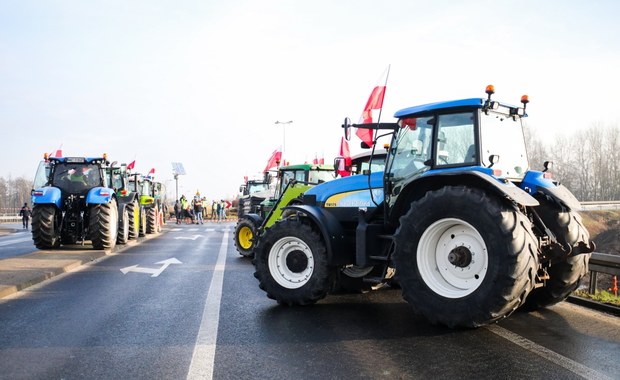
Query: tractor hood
(354, 186)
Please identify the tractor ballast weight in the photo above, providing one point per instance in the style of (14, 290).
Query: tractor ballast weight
(470, 231)
(73, 200)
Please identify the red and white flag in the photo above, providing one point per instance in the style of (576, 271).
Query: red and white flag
(274, 160)
(375, 102)
(346, 153)
(131, 165)
(57, 153)
(151, 174)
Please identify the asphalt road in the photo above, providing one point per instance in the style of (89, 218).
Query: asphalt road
(186, 305)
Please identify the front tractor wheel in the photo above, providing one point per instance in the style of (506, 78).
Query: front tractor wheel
(245, 233)
(103, 225)
(291, 264)
(464, 258)
(45, 226)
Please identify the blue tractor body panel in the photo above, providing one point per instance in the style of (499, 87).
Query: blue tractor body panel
(99, 195)
(47, 195)
(350, 191)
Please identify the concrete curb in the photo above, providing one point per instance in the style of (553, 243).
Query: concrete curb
(20, 272)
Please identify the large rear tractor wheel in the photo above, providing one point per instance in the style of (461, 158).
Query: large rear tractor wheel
(133, 214)
(152, 220)
(245, 235)
(291, 264)
(45, 226)
(464, 258)
(103, 225)
(565, 275)
(123, 227)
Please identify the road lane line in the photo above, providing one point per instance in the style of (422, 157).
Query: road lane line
(552, 356)
(201, 366)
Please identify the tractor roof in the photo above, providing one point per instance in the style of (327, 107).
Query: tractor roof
(307, 167)
(411, 111)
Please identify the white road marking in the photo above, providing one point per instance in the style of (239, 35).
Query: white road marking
(203, 357)
(552, 356)
(154, 272)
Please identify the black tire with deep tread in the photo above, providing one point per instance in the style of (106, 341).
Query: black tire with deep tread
(103, 225)
(511, 250)
(151, 220)
(123, 227)
(142, 216)
(322, 277)
(564, 276)
(242, 227)
(133, 214)
(45, 229)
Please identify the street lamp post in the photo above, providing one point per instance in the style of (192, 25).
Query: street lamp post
(284, 124)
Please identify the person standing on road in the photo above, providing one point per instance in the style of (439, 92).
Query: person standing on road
(25, 213)
(198, 208)
(177, 211)
(214, 210)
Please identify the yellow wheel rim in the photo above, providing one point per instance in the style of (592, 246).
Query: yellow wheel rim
(245, 237)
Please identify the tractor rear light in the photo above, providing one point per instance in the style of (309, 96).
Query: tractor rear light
(124, 192)
(104, 193)
(37, 193)
(547, 175)
(497, 173)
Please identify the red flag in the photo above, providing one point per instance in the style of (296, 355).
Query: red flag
(315, 161)
(322, 161)
(274, 160)
(57, 153)
(131, 165)
(375, 102)
(151, 173)
(344, 152)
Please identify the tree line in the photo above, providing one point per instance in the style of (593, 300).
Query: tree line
(586, 162)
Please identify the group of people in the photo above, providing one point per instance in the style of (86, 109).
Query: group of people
(196, 211)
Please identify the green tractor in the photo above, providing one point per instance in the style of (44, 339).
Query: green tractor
(292, 181)
(127, 195)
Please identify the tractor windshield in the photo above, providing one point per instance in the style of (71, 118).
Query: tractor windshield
(502, 136)
(76, 178)
(411, 148)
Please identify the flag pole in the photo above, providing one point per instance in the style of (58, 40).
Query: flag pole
(385, 84)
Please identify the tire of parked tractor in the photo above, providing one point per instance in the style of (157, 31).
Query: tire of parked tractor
(103, 225)
(45, 230)
(464, 258)
(133, 214)
(290, 264)
(245, 234)
(123, 228)
(151, 220)
(565, 275)
(143, 219)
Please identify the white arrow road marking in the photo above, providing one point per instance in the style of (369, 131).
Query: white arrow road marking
(190, 238)
(153, 272)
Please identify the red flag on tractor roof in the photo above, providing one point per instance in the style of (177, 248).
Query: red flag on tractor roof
(131, 165)
(375, 102)
(274, 160)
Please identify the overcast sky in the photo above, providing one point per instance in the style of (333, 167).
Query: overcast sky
(203, 82)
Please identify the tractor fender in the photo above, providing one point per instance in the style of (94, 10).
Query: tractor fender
(535, 182)
(99, 195)
(329, 227)
(473, 178)
(47, 195)
(255, 218)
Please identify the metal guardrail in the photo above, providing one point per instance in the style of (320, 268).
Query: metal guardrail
(602, 263)
(600, 205)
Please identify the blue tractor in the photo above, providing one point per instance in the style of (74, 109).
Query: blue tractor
(74, 200)
(457, 219)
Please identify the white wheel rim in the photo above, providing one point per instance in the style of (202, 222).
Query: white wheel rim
(283, 254)
(442, 276)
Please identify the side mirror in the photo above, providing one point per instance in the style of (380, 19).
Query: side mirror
(547, 165)
(339, 165)
(347, 128)
(493, 159)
